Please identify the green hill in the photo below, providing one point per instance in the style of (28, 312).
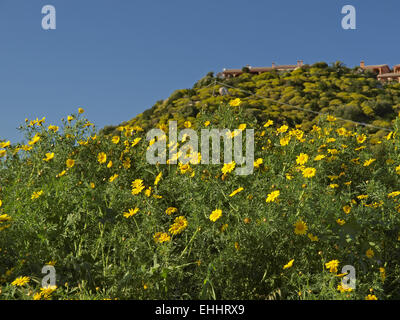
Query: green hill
(347, 93)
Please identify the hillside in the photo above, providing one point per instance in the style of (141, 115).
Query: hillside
(347, 93)
(322, 200)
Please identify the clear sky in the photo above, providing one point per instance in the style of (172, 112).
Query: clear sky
(116, 58)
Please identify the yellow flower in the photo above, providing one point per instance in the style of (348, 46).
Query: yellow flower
(112, 178)
(289, 176)
(285, 141)
(333, 177)
(340, 222)
(319, 157)
(35, 139)
(102, 157)
(126, 163)
(187, 124)
(135, 141)
(161, 237)
(383, 273)
(137, 186)
(46, 292)
(242, 126)
(109, 164)
(332, 266)
(2, 153)
(341, 131)
(282, 129)
(80, 111)
(361, 138)
(273, 196)
(92, 185)
(298, 134)
(371, 297)
(330, 118)
(180, 224)
(300, 227)
(312, 237)
(36, 195)
(115, 139)
(5, 218)
(346, 209)
(21, 281)
(268, 123)
(369, 253)
(37, 296)
(171, 210)
(228, 167)
(184, 168)
(70, 163)
(215, 215)
(394, 194)
(49, 156)
(288, 265)
(131, 212)
(70, 118)
(62, 173)
(158, 178)
(236, 191)
(235, 103)
(340, 275)
(368, 162)
(302, 158)
(207, 123)
(232, 134)
(309, 172)
(83, 143)
(343, 289)
(5, 144)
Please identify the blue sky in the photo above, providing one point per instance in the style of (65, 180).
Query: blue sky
(116, 58)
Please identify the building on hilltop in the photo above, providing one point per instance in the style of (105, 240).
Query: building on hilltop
(229, 73)
(383, 71)
(391, 76)
(378, 69)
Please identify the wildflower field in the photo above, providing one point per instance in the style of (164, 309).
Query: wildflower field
(115, 227)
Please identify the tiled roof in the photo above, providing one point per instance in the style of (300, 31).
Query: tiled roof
(232, 70)
(286, 67)
(261, 69)
(376, 66)
(389, 75)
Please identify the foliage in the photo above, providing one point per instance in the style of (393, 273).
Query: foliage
(68, 198)
(344, 92)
